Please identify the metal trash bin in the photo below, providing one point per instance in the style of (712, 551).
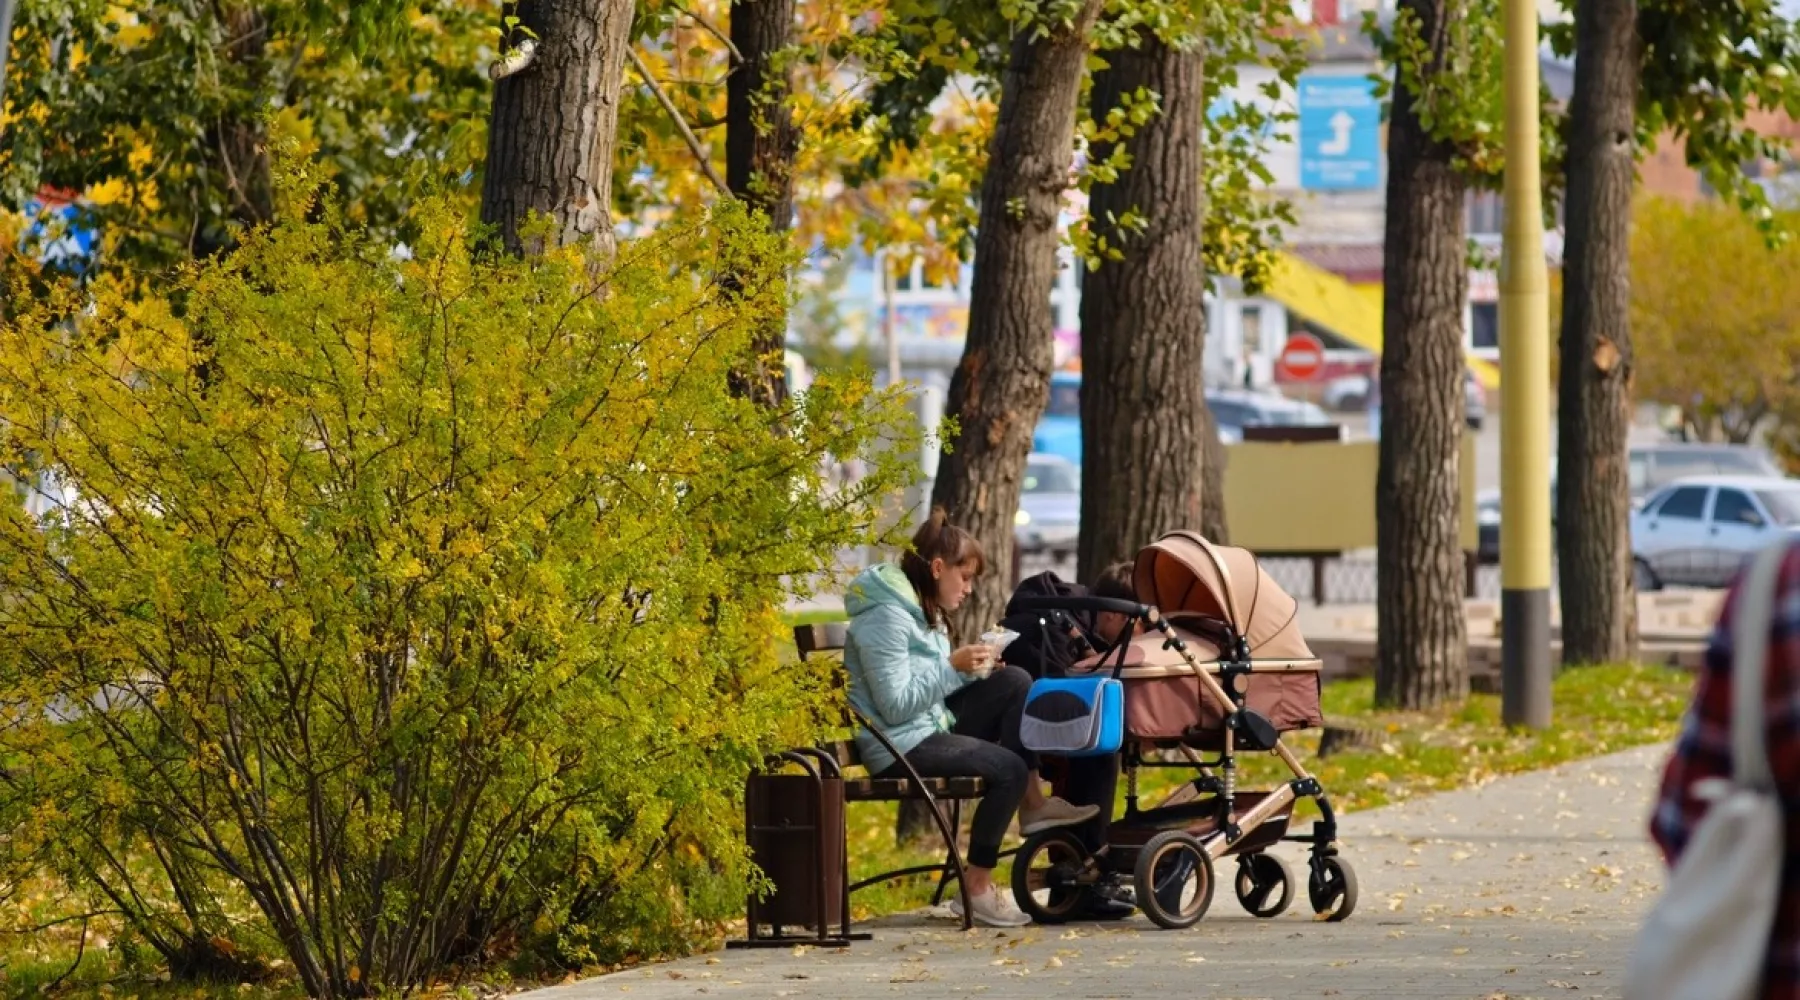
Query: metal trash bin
(794, 825)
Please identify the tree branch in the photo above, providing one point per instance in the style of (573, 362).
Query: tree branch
(71, 918)
(681, 125)
(737, 58)
(80, 951)
(513, 61)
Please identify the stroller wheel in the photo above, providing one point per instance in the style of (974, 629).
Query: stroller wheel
(1264, 885)
(1332, 889)
(1174, 880)
(1045, 877)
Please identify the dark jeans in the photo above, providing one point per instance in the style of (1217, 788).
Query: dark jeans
(1083, 781)
(991, 709)
(983, 744)
(1087, 781)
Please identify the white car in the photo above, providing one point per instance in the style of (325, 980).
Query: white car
(1049, 514)
(1698, 531)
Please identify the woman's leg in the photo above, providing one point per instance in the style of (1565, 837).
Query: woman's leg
(991, 709)
(948, 755)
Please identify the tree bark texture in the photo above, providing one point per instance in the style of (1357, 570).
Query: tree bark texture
(999, 389)
(1422, 654)
(760, 144)
(1143, 319)
(552, 127)
(760, 138)
(1593, 537)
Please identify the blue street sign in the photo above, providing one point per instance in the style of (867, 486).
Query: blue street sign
(1340, 133)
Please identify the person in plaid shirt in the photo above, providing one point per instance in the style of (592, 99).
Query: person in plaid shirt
(1703, 750)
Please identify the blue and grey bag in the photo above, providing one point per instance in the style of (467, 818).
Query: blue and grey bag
(1074, 716)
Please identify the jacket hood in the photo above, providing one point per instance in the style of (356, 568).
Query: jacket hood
(883, 584)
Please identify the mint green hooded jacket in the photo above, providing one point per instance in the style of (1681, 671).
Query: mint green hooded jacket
(899, 666)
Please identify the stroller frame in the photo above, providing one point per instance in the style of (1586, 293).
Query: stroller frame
(1166, 848)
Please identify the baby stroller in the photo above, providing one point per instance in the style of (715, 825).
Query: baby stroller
(1220, 668)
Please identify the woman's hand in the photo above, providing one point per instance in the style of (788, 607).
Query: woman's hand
(975, 659)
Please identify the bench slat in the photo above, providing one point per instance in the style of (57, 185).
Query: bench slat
(901, 789)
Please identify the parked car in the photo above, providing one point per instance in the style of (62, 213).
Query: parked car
(1474, 401)
(1650, 468)
(1487, 526)
(1654, 466)
(1698, 531)
(1059, 430)
(1235, 409)
(1350, 394)
(1049, 504)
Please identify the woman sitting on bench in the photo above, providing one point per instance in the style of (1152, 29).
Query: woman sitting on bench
(951, 714)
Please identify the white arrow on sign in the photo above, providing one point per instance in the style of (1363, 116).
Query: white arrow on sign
(1339, 143)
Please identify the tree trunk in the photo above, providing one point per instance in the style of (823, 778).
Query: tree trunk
(1143, 319)
(999, 389)
(760, 138)
(760, 143)
(1422, 654)
(914, 826)
(551, 130)
(236, 146)
(1593, 496)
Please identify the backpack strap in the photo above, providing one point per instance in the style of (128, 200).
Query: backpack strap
(1751, 623)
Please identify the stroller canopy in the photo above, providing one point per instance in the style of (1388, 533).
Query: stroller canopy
(1183, 575)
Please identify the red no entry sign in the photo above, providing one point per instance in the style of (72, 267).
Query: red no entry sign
(1302, 358)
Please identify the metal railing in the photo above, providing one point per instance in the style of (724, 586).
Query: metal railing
(1317, 578)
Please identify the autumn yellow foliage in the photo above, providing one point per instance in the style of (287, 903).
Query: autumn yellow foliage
(1715, 315)
(364, 607)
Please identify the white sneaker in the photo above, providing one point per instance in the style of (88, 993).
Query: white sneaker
(1055, 812)
(993, 908)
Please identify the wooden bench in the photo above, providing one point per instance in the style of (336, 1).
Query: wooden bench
(829, 638)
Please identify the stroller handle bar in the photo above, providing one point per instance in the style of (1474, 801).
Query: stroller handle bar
(1128, 608)
(1217, 630)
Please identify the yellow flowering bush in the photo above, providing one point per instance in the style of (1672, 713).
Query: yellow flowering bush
(387, 610)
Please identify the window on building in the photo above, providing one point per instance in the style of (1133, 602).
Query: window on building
(1252, 322)
(1484, 324)
(1486, 213)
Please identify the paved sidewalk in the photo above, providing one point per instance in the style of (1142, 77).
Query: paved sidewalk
(1529, 886)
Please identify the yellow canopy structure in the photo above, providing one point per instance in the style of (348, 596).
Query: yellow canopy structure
(1352, 312)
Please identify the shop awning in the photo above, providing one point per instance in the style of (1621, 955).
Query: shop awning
(1348, 310)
